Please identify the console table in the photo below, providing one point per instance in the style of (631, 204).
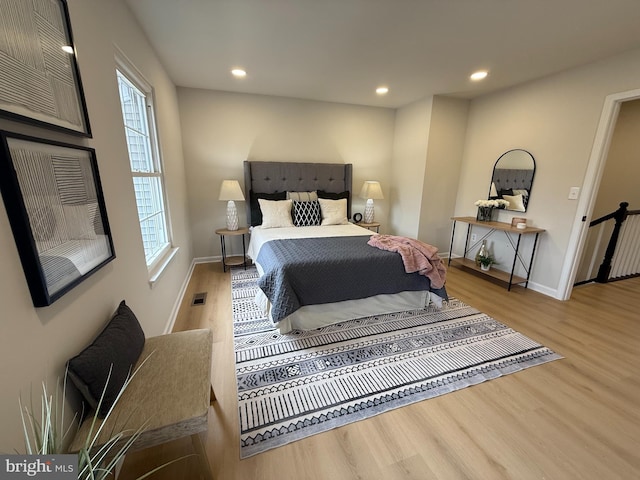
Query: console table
(507, 277)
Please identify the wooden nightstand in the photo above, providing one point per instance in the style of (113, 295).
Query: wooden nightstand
(370, 226)
(236, 260)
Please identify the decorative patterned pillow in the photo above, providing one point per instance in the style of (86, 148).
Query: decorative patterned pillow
(306, 214)
(303, 196)
(275, 214)
(334, 212)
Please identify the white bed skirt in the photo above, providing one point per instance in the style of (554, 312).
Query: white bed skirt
(310, 317)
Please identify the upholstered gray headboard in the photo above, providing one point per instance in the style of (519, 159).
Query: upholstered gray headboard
(512, 178)
(279, 177)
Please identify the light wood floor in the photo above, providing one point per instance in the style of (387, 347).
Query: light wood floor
(576, 418)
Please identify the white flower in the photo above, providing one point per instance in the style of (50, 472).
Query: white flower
(499, 203)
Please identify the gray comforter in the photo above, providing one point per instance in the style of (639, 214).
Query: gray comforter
(310, 271)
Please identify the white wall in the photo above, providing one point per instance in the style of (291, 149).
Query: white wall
(410, 142)
(35, 343)
(442, 170)
(555, 119)
(220, 130)
(427, 154)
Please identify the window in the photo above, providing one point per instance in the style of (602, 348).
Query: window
(140, 131)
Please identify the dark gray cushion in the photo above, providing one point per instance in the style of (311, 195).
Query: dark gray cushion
(119, 345)
(333, 196)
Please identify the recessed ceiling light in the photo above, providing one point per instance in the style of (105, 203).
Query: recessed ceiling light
(238, 73)
(479, 75)
(382, 90)
(67, 48)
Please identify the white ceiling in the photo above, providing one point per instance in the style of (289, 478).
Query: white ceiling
(341, 50)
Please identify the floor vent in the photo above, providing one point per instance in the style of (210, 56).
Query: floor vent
(199, 299)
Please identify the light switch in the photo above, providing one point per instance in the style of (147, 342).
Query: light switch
(574, 192)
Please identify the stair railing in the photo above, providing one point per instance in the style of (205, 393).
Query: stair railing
(622, 256)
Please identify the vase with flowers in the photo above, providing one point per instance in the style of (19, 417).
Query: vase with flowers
(486, 208)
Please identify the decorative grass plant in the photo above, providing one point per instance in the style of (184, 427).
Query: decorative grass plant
(46, 433)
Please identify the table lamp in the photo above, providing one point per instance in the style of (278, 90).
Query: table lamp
(231, 191)
(371, 190)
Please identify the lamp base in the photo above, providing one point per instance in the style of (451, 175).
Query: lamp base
(232, 216)
(368, 211)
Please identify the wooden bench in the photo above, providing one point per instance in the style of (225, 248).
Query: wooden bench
(169, 396)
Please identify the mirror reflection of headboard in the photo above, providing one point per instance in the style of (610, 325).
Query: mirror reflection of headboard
(512, 179)
(280, 177)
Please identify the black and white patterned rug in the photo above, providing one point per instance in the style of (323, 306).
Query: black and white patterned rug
(302, 383)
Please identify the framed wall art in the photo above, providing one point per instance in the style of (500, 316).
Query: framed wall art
(40, 82)
(56, 209)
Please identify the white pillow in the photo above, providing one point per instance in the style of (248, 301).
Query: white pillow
(334, 212)
(515, 202)
(276, 213)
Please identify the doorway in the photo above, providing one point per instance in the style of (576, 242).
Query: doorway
(591, 186)
(619, 183)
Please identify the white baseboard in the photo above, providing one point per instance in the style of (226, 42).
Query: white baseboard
(543, 289)
(183, 289)
(198, 260)
(176, 306)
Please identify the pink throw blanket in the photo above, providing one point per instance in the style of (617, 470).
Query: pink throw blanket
(417, 256)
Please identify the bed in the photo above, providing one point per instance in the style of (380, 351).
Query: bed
(316, 275)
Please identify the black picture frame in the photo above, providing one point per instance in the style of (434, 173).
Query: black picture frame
(40, 82)
(55, 205)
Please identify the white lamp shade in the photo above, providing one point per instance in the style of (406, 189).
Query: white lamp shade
(230, 190)
(371, 190)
